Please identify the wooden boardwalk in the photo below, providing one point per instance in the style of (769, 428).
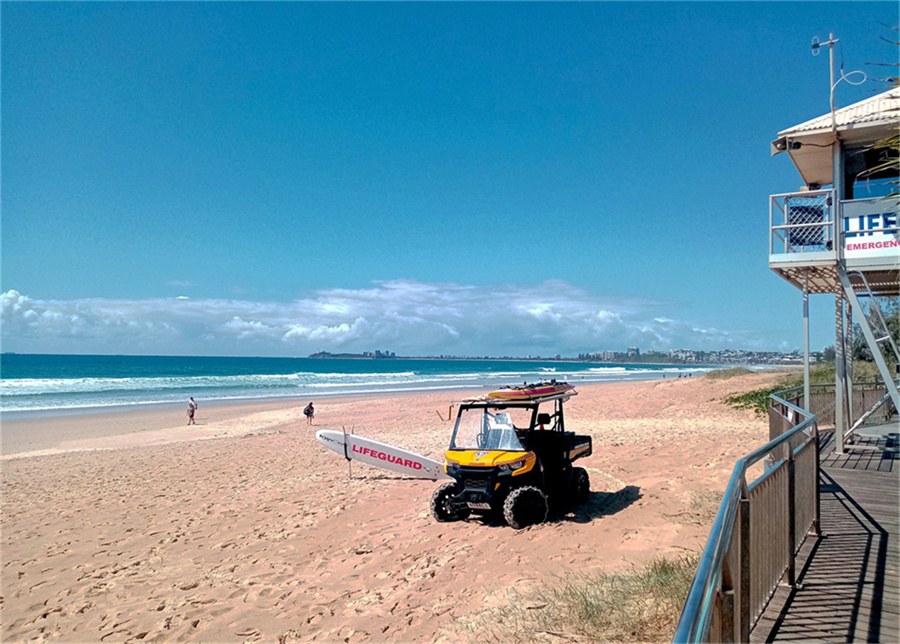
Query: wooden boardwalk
(849, 579)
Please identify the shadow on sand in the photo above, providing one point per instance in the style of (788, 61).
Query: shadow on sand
(598, 505)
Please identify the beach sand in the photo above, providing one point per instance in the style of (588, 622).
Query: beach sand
(134, 527)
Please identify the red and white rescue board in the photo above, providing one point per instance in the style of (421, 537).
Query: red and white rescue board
(388, 457)
(530, 392)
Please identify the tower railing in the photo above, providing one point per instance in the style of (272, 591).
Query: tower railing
(757, 532)
(814, 225)
(803, 222)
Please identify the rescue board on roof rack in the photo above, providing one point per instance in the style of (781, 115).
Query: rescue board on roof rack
(533, 391)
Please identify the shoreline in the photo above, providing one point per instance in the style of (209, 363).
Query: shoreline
(44, 432)
(123, 426)
(28, 433)
(24, 398)
(15, 415)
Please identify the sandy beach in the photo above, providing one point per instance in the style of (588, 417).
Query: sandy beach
(133, 527)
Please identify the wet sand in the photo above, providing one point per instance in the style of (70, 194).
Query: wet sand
(134, 527)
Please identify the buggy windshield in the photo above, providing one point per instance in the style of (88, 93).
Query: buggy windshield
(491, 429)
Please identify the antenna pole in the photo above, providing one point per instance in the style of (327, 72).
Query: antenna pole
(830, 43)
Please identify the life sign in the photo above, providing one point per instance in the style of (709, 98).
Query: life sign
(871, 228)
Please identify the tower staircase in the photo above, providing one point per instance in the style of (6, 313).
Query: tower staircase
(875, 331)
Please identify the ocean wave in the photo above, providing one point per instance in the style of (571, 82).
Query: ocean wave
(39, 386)
(25, 394)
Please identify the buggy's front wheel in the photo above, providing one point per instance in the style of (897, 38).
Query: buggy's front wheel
(445, 503)
(525, 506)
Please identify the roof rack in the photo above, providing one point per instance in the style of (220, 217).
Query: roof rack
(509, 402)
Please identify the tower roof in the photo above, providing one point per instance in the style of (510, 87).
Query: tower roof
(810, 144)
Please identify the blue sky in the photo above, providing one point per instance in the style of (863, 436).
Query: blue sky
(440, 178)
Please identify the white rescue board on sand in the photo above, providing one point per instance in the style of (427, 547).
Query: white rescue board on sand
(388, 457)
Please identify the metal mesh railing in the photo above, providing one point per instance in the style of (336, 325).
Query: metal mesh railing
(801, 222)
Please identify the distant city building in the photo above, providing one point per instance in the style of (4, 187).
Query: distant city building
(364, 354)
(691, 356)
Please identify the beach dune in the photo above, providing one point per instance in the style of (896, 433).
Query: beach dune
(134, 527)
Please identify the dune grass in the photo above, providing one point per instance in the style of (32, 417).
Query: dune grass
(638, 605)
(726, 374)
(705, 504)
(757, 400)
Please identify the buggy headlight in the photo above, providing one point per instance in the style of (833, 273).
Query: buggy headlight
(515, 465)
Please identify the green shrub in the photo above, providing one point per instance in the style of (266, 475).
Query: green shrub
(756, 400)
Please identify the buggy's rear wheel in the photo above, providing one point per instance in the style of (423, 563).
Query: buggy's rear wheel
(581, 485)
(445, 506)
(525, 506)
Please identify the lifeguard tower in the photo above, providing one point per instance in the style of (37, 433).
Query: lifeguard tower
(839, 234)
(766, 573)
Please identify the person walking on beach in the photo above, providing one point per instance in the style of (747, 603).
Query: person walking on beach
(309, 411)
(192, 407)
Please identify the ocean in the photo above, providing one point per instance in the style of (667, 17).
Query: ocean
(61, 383)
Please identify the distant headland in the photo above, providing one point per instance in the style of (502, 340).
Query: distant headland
(367, 354)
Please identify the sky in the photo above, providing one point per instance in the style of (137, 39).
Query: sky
(508, 179)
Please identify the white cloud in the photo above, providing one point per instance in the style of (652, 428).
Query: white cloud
(410, 318)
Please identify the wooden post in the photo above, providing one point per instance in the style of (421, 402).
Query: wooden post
(726, 594)
(817, 525)
(848, 367)
(839, 381)
(743, 634)
(806, 339)
(716, 623)
(792, 519)
(728, 623)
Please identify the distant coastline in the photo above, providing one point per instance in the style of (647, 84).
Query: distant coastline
(681, 357)
(652, 358)
(371, 356)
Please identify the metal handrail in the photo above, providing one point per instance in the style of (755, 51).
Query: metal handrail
(696, 616)
(827, 225)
